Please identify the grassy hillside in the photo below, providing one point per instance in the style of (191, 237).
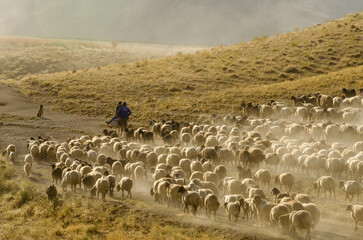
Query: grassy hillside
(321, 58)
(22, 56)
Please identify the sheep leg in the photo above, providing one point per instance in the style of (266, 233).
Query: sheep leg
(308, 234)
(98, 194)
(215, 212)
(356, 225)
(123, 193)
(130, 194)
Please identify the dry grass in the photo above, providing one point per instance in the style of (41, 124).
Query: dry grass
(22, 56)
(4, 117)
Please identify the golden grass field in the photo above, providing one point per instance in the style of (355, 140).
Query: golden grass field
(321, 58)
(20, 56)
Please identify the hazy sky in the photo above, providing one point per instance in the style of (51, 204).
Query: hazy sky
(198, 22)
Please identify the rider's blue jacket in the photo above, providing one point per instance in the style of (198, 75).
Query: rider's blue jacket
(124, 112)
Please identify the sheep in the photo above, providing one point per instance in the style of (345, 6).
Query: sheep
(286, 179)
(314, 211)
(234, 186)
(326, 101)
(211, 176)
(139, 173)
(101, 186)
(221, 171)
(28, 159)
(125, 184)
(117, 168)
(303, 198)
(9, 149)
(349, 92)
(57, 175)
(251, 156)
(351, 188)
(356, 213)
(71, 178)
(278, 195)
(196, 166)
(51, 192)
(173, 160)
(211, 203)
(112, 182)
(255, 191)
(185, 138)
(276, 212)
(196, 175)
(263, 208)
(263, 177)
(327, 183)
(301, 219)
(88, 181)
(190, 198)
(272, 159)
(233, 209)
(173, 194)
(27, 169)
(151, 159)
(243, 173)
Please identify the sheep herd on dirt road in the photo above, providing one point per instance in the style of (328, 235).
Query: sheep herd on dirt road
(248, 165)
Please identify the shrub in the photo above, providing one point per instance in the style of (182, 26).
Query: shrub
(24, 195)
(6, 173)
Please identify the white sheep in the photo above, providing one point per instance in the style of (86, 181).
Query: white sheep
(233, 210)
(28, 159)
(327, 183)
(356, 213)
(286, 179)
(263, 176)
(101, 186)
(190, 198)
(276, 212)
(351, 188)
(301, 219)
(125, 184)
(27, 169)
(314, 211)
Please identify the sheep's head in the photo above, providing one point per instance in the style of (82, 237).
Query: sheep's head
(349, 207)
(341, 184)
(277, 178)
(275, 191)
(182, 190)
(315, 184)
(257, 200)
(118, 187)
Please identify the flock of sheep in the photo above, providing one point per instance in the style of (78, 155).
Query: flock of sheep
(218, 162)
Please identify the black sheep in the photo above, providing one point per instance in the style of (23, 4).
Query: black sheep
(51, 192)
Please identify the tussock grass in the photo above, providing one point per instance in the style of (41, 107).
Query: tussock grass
(5, 117)
(322, 58)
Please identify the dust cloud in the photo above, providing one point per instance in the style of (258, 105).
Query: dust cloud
(193, 22)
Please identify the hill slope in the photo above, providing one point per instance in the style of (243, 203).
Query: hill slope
(22, 56)
(215, 80)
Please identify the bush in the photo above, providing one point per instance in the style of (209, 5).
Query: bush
(24, 195)
(6, 173)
